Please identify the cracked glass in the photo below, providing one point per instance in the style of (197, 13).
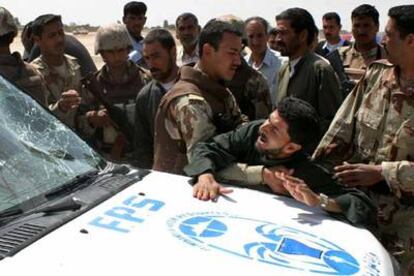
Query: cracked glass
(37, 152)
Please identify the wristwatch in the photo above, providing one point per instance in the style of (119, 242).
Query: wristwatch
(324, 200)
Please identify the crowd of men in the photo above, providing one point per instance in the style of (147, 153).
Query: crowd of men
(329, 123)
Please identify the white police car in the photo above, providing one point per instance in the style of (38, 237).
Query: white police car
(66, 211)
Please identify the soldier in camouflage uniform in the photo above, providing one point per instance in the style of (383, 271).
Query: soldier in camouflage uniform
(199, 106)
(373, 134)
(357, 56)
(114, 86)
(12, 66)
(61, 72)
(248, 86)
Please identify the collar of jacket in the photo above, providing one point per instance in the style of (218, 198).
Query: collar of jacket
(197, 77)
(71, 62)
(131, 73)
(303, 59)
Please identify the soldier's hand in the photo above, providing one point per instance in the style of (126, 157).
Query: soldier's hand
(69, 100)
(299, 190)
(98, 118)
(271, 177)
(207, 188)
(351, 175)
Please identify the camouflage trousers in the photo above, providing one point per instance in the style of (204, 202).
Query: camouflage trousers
(396, 230)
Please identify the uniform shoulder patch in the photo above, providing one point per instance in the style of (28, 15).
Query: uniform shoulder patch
(185, 100)
(381, 63)
(195, 97)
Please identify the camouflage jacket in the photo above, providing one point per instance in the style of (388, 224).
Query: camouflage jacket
(355, 63)
(24, 75)
(57, 84)
(251, 91)
(194, 110)
(120, 93)
(375, 125)
(101, 90)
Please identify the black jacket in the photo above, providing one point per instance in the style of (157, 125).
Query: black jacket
(239, 146)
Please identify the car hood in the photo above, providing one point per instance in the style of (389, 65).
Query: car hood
(156, 227)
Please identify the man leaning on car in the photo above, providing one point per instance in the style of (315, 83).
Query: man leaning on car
(271, 150)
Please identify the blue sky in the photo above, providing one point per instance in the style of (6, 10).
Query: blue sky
(98, 12)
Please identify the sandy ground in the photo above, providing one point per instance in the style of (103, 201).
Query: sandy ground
(88, 40)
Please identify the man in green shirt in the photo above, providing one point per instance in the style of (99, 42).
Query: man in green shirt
(280, 142)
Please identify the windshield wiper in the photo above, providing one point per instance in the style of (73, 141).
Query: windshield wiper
(83, 180)
(69, 203)
(74, 184)
(11, 212)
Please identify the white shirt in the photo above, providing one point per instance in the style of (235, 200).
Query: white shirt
(292, 64)
(183, 58)
(269, 68)
(333, 47)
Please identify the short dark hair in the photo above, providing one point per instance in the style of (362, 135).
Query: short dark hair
(300, 20)
(404, 19)
(366, 10)
(259, 19)
(162, 36)
(39, 23)
(332, 16)
(212, 34)
(7, 39)
(302, 120)
(135, 8)
(273, 31)
(27, 30)
(185, 16)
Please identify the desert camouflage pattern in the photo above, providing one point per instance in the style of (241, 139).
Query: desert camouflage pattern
(251, 92)
(355, 63)
(375, 125)
(195, 109)
(120, 94)
(257, 91)
(191, 119)
(57, 84)
(7, 22)
(110, 37)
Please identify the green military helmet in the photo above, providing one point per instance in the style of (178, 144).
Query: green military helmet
(7, 22)
(110, 37)
(237, 23)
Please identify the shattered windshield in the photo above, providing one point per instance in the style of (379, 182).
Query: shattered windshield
(37, 152)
